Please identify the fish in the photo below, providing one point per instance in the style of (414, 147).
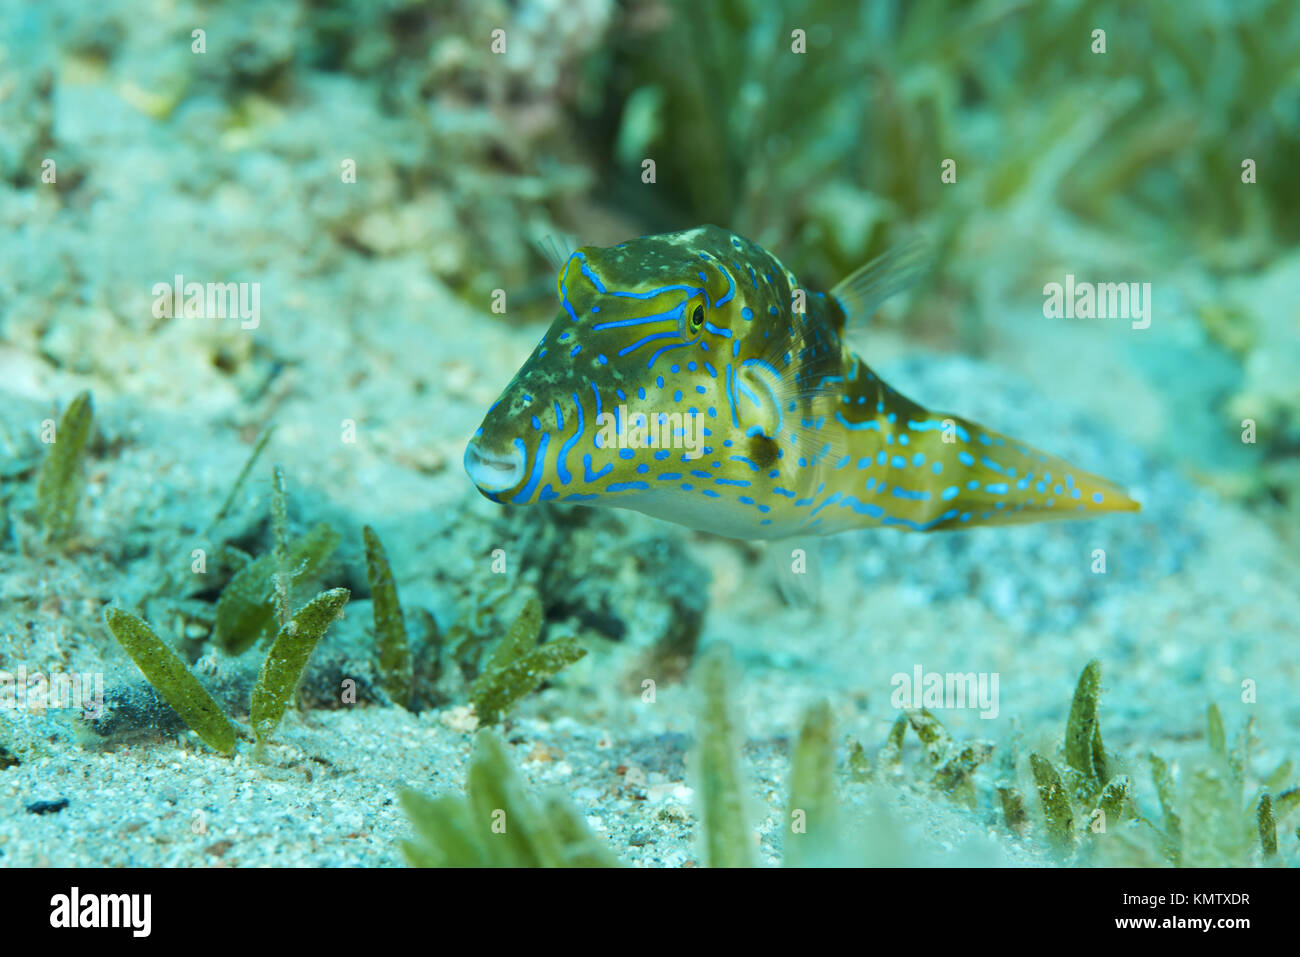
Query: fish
(689, 376)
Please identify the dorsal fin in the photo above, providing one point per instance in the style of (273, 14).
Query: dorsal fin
(556, 248)
(862, 291)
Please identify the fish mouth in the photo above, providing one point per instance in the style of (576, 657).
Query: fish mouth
(493, 471)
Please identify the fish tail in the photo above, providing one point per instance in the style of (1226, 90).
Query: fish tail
(992, 479)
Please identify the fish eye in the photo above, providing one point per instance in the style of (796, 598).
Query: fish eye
(697, 318)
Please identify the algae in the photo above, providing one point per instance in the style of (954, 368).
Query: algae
(247, 609)
(276, 683)
(258, 446)
(1014, 813)
(726, 839)
(1205, 819)
(168, 674)
(495, 824)
(860, 770)
(281, 578)
(1267, 826)
(1084, 752)
(60, 482)
(1055, 803)
(288, 656)
(951, 765)
(395, 669)
(812, 810)
(518, 665)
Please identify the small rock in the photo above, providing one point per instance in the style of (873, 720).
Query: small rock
(459, 718)
(544, 754)
(47, 807)
(674, 813)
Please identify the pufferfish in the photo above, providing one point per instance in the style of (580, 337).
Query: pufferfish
(689, 376)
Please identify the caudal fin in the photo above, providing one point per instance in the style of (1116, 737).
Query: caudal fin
(992, 479)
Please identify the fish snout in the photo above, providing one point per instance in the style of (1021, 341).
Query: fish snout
(493, 471)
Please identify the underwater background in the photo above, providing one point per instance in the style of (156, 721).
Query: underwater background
(374, 178)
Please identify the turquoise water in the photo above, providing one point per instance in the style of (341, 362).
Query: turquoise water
(323, 222)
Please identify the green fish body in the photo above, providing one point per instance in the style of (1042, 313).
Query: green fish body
(690, 377)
